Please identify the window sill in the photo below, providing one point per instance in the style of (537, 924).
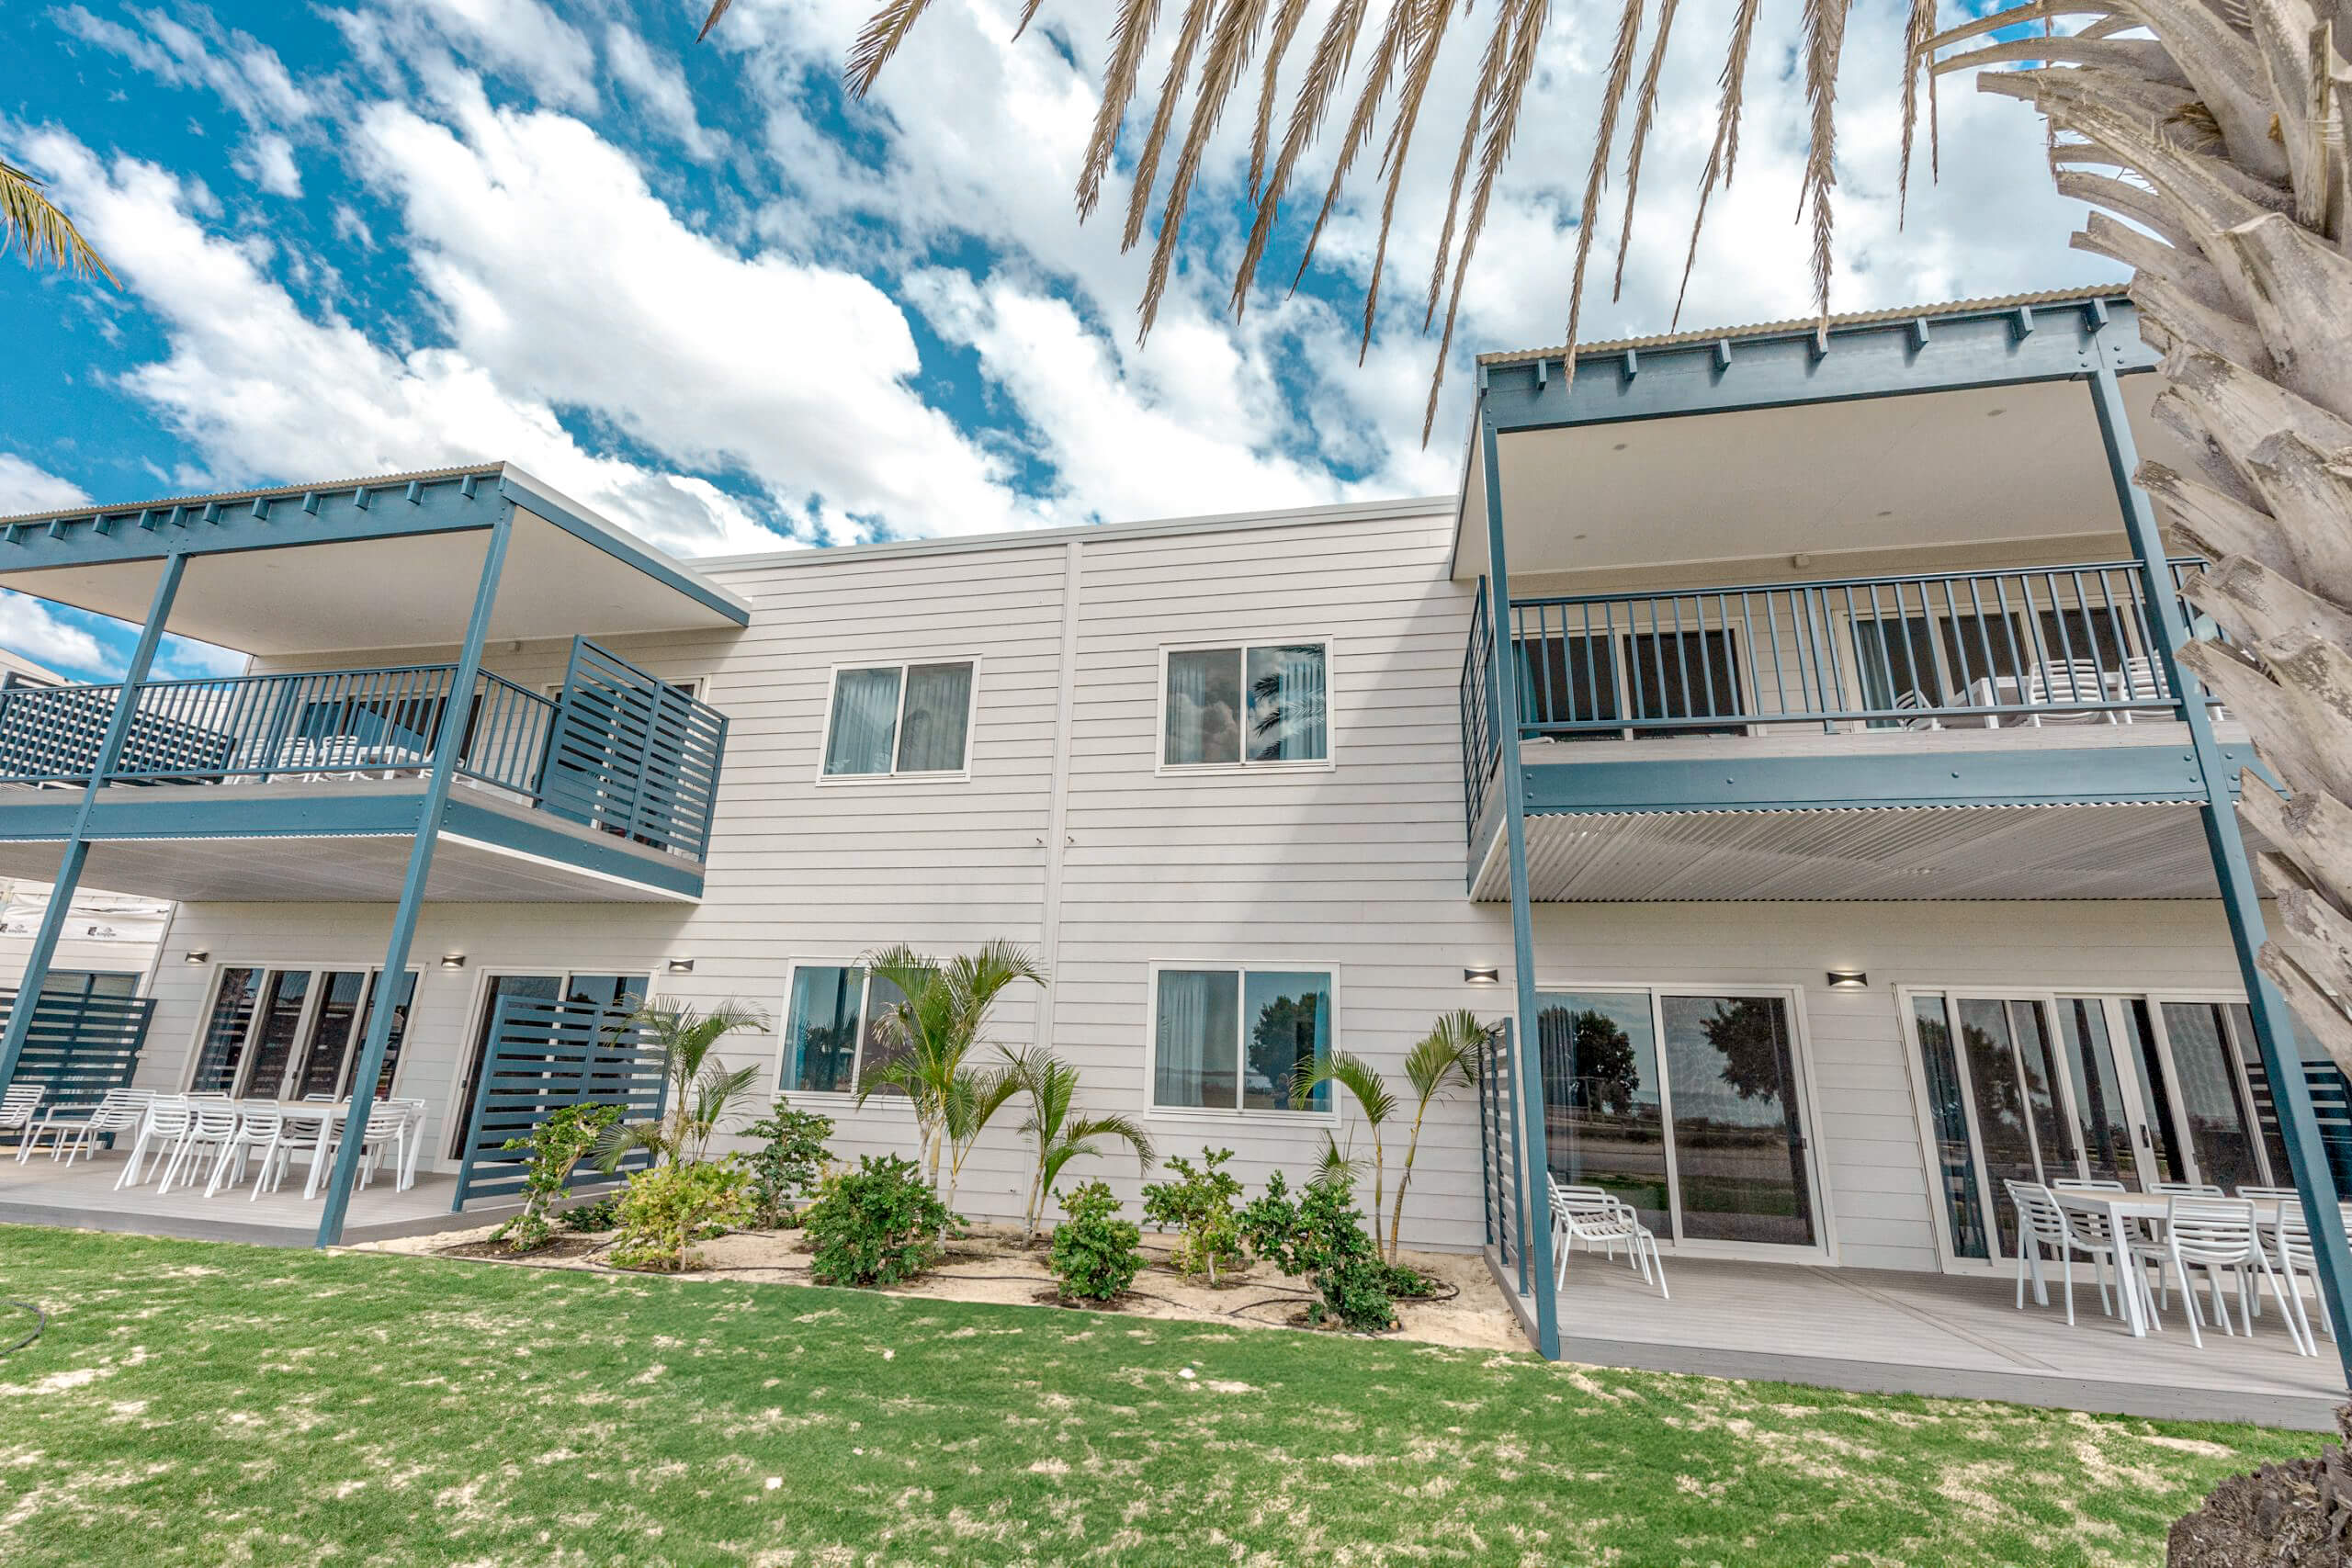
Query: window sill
(1241, 769)
(1213, 1115)
(840, 781)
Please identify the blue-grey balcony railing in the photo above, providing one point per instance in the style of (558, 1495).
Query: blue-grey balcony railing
(2032, 647)
(617, 749)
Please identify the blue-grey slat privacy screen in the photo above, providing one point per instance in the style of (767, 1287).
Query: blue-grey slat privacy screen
(633, 755)
(540, 1057)
(79, 1045)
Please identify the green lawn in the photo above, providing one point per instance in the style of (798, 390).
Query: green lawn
(202, 1404)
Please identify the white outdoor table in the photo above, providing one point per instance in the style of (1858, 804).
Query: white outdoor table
(2122, 1208)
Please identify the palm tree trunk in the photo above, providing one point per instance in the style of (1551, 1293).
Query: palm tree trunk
(1404, 1179)
(2229, 122)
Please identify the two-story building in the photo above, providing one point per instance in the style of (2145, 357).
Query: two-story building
(1833, 826)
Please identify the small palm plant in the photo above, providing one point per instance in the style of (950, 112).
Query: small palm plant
(1059, 1135)
(1365, 1086)
(1445, 1058)
(929, 1033)
(703, 1093)
(973, 1100)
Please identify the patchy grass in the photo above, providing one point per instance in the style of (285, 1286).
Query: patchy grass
(195, 1403)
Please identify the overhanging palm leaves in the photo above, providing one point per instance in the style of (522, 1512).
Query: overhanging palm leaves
(1057, 1133)
(928, 1035)
(33, 223)
(1443, 1059)
(703, 1090)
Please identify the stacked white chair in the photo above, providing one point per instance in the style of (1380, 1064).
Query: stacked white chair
(258, 1129)
(162, 1129)
(212, 1128)
(2296, 1259)
(2093, 1234)
(2216, 1234)
(118, 1110)
(18, 1104)
(1598, 1218)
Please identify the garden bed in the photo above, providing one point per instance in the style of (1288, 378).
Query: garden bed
(992, 1265)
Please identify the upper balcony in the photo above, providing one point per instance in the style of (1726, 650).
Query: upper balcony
(1853, 613)
(307, 777)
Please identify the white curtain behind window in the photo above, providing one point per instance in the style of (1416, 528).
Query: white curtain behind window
(866, 721)
(1197, 1046)
(939, 711)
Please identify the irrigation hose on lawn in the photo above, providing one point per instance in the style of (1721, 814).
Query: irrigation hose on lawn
(40, 1322)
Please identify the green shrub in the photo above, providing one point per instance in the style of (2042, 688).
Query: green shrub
(1320, 1238)
(1094, 1254)
(788, 1164)
(555, 1145)
(601, 1215)
(1198, 1206)
(665, 1209)
(878, 1225)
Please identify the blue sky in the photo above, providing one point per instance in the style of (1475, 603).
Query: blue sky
(698, 289)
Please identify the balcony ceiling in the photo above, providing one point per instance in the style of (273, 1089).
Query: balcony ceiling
(1887, 852)
(1748, 490)
(410, 589)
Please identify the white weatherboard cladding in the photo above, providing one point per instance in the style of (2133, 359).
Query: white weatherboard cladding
(1357, 868)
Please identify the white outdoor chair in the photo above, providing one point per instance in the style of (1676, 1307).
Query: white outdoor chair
(2092, 1234)
(2187, 1190)
(17, 1106)
(2296, 1259)
(2144, 677)
(212, 1127)
(166, 1122)
(411, 1142)
(2066, 681)
(2265, 1194)
(2216, 1234)
(256, 1133)
(118, 1110)
(1598, 1219)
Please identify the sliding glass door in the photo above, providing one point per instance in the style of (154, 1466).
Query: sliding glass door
(284, 1033)
(2039, 1089)
(1686, 1105)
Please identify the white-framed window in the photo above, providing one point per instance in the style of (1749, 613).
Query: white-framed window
(1231, 707)
(909, 720)
(832, 1033)
(1229, 1038)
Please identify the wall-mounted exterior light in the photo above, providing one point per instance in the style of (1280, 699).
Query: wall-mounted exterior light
(1849, 980)
(453, 961)
(198, 956)
(682, 967)
(1487, 975)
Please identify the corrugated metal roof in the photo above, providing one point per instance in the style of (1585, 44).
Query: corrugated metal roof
(373, 481)
(2113, 849)
(1808, 323)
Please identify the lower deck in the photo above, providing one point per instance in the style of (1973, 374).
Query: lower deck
(1940, 1335)
(82, 1196)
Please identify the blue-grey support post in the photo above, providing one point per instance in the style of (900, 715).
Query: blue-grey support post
(446, 746)
(77, 844)
(2273, 1029)
(1536, 1161)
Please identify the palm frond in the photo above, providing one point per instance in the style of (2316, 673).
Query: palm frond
(1645, 107)
(1325, 69)
(1422, 63)
(1130, 35)
(1613, 98)
(1724, 155)
(1914, 48)
(1028, 15)
(1384, 56)
(1825, 42)
(1190, 29)
(1336, 1164)
(1490, 71)
(1353, 1073)
(1287, 17)
(1230, 44)
(884, 32)
(1525, 19)
(1127, 1129)
(718, 9)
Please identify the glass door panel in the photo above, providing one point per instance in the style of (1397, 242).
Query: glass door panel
(1739, 1141)
(1603, 1101)
(403, 1000)
(225, 1029)
(1948, 1117)
(2103, 1122)
(332, 1029)
(2004, 1119)
(281, 1022)
(2212, 1097)
(2164, 1146)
